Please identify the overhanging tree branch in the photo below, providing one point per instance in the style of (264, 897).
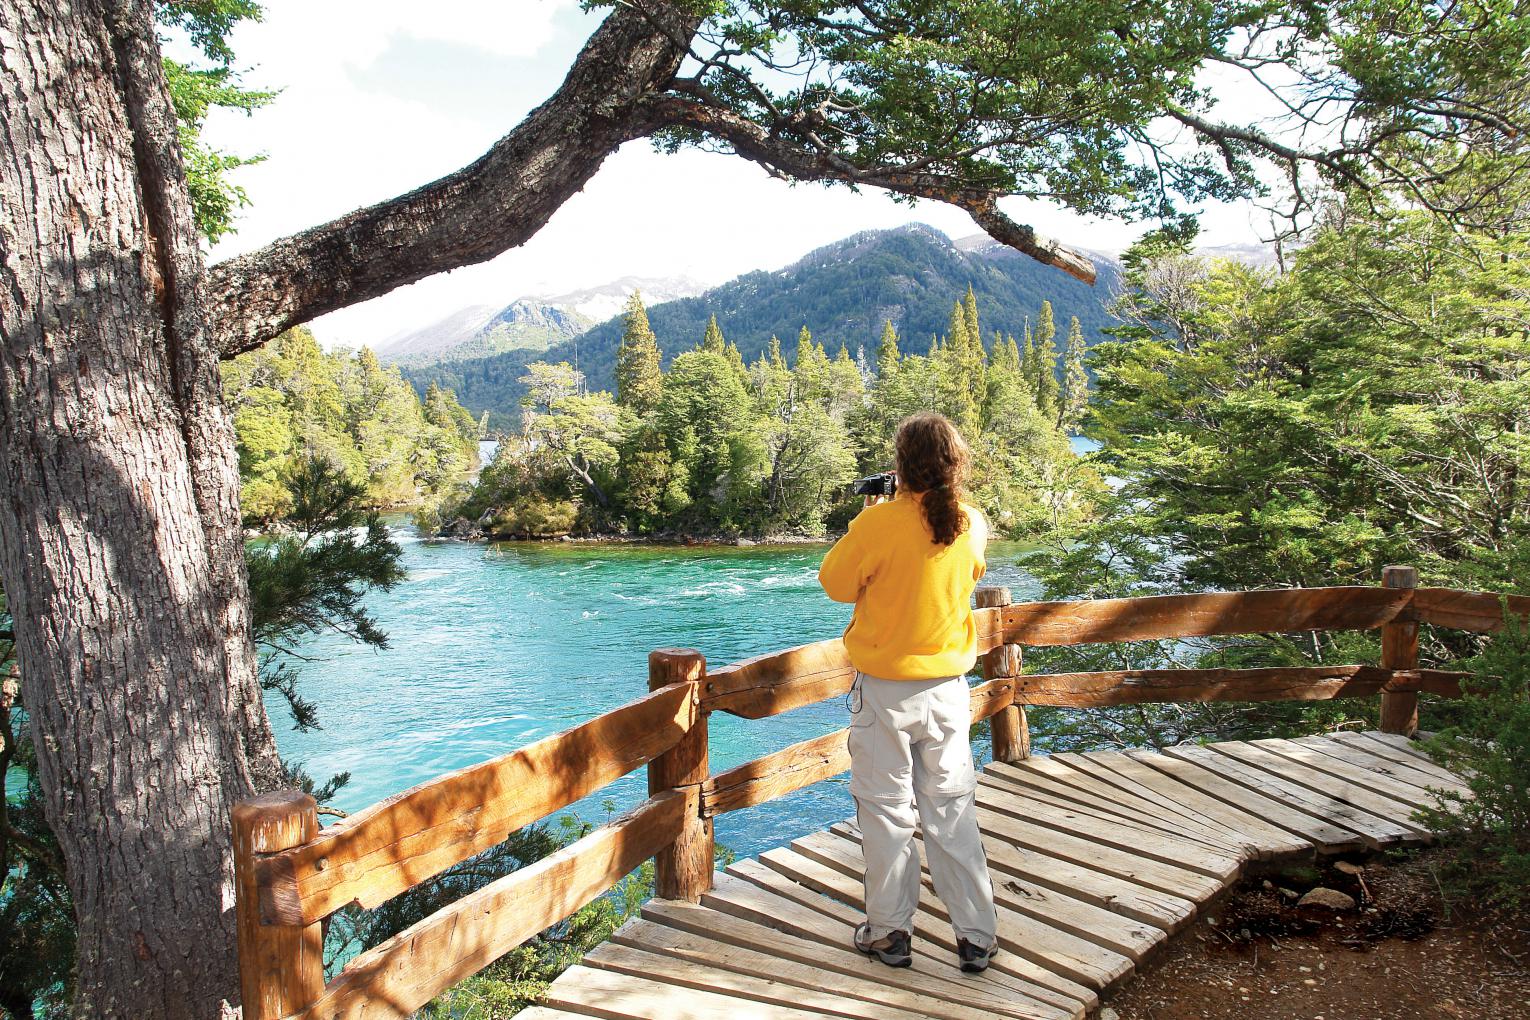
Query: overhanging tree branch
(781, 158)
(486, 208)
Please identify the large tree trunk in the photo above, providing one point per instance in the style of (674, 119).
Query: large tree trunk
(120, 546)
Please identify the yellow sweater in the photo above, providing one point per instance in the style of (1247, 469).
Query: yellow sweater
(913, 614)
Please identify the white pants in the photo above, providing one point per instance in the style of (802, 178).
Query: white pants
(909, 749)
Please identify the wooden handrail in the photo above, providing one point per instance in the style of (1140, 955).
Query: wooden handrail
(770, 684)
(397, 977)
(1275, 683)
(289, 877)
(400, 842)
(1272, 611)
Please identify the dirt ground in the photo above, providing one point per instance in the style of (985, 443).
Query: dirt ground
(1400, 953)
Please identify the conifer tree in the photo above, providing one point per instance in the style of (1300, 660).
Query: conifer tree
(888, 355)
(1046, 362)
(638, 379)
(970, 311)
(1075, 386)
(712, 340)
(776, 360)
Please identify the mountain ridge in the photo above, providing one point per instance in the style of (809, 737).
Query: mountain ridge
(843, 292)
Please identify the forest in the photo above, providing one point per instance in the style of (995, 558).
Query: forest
(713, 446)
(293, 403)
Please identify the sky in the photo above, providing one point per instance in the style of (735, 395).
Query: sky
(378, 97)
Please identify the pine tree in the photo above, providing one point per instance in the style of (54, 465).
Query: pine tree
(1075, 391)
(1046, 362)
(776, 360)
(888, 355)
(712, 340)
(638, 378)
(969, 310)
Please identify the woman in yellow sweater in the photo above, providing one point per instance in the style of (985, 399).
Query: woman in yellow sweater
(909, 565)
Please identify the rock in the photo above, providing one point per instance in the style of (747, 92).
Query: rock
(1330, 899)
(1289, 894)
(1109, 1014)
(1348, 868)
(744, 541)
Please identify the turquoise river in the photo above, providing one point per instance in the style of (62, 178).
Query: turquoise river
(494, 646)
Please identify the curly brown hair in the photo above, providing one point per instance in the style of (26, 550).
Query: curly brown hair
(932, 460)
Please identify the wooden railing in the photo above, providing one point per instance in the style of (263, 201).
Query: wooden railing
(291, 875)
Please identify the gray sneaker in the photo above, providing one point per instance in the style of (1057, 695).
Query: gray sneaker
(892, 949)
(974, 960)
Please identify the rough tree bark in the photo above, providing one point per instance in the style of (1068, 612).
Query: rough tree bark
(119, 531)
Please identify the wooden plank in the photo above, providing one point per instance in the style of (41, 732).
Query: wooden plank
(755, 892)
(704, 971)
(779, 681)
(1321, 833)
(930, 923)
(796, 959)
(1076, 789)
(1399, 650)
(544, 1013)
(1376, 832)
(1141, 783)
(1117, 895)
(774, 775)
(1402, 772)
(1085, 960)
(1397, 743)
(1467, 610)
(1075, 916)
(1124, 864)
(1201, 615)
(397, 843)
(1360, 795)
(1112, 832)
(1412, 797)
(1150, 686)
(397, 977)
(1127, 772)
(1382, 747)
(592, 992)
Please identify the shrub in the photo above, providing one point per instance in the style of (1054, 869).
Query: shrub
(1489, 744)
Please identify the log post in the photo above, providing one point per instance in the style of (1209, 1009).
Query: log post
(1399, 650)
(1011, 733)
(683, 871)
(281, 967)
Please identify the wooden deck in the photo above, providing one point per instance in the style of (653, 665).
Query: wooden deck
(1096, 859)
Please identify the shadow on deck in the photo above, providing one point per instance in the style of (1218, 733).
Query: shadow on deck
(1096, 860)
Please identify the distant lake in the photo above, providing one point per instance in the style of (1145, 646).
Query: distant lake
(494, 646)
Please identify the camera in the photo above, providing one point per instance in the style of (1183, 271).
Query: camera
(884, 483)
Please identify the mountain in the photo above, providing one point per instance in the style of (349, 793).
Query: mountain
(533, 323)
(842, 292)
(601, 303)
(457, 328)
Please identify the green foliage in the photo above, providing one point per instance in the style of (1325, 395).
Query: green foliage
(194, 91)
(292, 402)
(1488, 833)
(714, 446)
(1368, 406)
(637, 360)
